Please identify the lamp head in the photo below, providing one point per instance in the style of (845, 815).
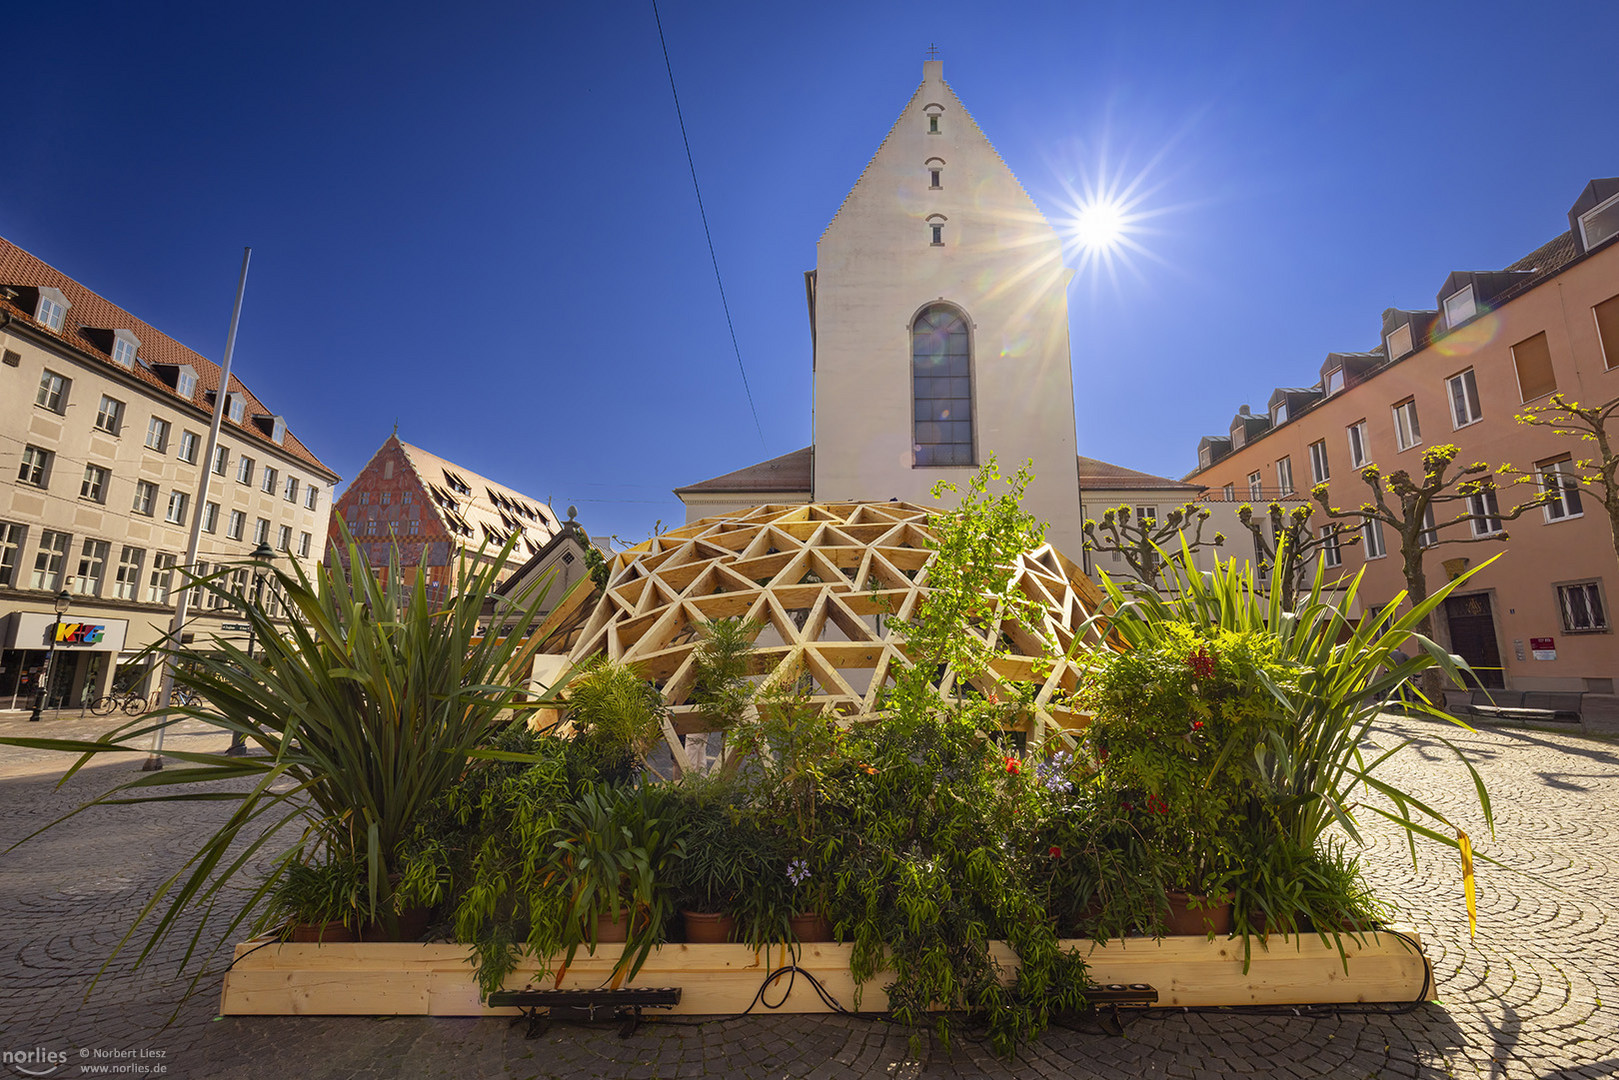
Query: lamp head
(64, 600)
(264, 553)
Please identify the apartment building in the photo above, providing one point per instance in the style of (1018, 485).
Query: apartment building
(103, 427)
(1495, 341)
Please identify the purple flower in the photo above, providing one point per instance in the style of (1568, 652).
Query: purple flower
(1053, 774)
(798, 871)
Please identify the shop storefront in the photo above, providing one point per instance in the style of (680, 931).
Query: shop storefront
(86, 658)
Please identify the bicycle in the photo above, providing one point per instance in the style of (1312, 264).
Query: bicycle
(132, 703)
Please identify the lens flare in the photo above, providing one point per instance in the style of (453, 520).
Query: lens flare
(1099, 226)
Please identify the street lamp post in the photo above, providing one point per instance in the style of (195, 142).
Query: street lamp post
(63, 601)
(262, 556)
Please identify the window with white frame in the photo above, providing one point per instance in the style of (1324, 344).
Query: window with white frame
(312, 496)
(12, 536)
(1607, 320)
(179, 503)
(1582, 607)
(1278, 415)
(161, 583)
(145, 497)
(35, 467)
(48, 560)
(52, 392)
(1407, 432)
(188, 447)
(50, 310)
(1463, 391)
(1371, 538)
(1229, 493)
(210, 517)
(94, 485)
(185, 382)
(127, 585)
(261, 531)
(237, 408)
(1320, 471)
(1333, 380)
(1330, 549)
(1600, 224)
(1460, 306)
(1485, 508)
(244, 470)
(1358, 456)
(1284, 476)
(157, 434)
(1558, 478)
(221, 460)
(268, 484)
(290, 492)
(110, 415)
(1399, 342)
(1429, 536)
(303, 545)
(236, 525)
(92, 567)
(1256, 486)
(283, 538)
(198, 572)
(124, 347)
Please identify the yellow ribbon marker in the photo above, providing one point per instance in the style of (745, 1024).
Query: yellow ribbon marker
(1468, 886)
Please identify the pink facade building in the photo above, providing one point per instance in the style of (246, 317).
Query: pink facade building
(1540, 618)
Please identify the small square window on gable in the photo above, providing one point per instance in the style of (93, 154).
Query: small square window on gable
(124, 347)
(1399, 342)
(1460, 306)
(52, 307)
(185, 381)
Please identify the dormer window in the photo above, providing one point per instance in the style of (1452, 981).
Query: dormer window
(1333, 381)
(1600, 223)
(1278, 415)
(1399, 342)
(278, 430)
(1460, 306)
(124, 347)
(185, 382)
(52, 307)
(237, 408)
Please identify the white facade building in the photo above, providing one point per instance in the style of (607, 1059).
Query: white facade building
(939, 317)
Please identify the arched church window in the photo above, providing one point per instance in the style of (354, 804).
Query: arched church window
(935, 167)
(936, 229)
(933, 110)
(941, 380)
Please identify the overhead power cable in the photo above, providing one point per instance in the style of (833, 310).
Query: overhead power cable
(692, 164)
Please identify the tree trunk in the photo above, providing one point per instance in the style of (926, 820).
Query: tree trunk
(1416, 588)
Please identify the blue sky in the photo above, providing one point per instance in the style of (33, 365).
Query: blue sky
(478, 220)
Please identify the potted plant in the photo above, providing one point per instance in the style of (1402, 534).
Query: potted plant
(613, 860)
(315, 901)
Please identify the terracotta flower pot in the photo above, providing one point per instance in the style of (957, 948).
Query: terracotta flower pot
(613, 928)
(412, 925)
(706, 928)
(309, 933)
(811, 926)
(1202, 920)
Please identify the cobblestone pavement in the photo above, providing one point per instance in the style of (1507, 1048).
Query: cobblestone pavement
(1533, 996)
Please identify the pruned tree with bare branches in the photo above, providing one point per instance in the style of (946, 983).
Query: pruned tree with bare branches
(1290, 548)
(1418, 511)
(1145, 541)
(1599, 472)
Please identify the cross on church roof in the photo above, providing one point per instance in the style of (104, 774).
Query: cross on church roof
(933, 52)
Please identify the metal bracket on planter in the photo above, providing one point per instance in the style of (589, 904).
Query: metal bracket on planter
(1113, 995)
(585, 1006)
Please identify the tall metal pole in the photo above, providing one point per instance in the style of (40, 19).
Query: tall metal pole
(154, 760)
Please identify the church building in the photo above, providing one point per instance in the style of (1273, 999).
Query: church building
(938, 313)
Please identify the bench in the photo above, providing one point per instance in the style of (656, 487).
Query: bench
(1542, 705)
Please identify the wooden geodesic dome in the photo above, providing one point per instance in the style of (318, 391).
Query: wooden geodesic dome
(824, 581)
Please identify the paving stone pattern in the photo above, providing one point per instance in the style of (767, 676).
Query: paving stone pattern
(1533, 996)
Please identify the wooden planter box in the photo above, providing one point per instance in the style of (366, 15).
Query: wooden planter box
(401, 979)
